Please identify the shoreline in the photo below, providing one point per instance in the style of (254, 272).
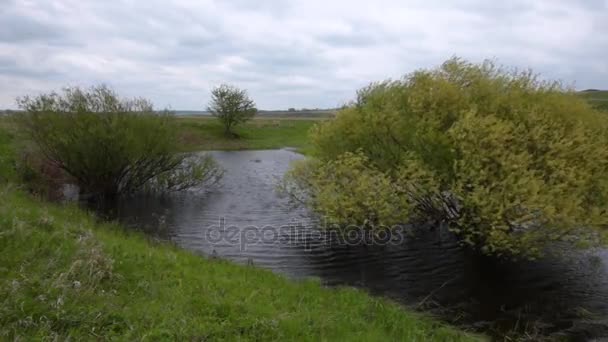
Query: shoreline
(61, 266)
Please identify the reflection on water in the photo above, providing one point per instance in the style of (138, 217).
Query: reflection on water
(245, 220)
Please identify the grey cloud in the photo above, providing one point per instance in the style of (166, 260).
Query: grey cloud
(296, 53)
(17, 29)
(10, 67)
(276, 7)
(357, 38)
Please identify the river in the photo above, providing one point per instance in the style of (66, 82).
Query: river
(246, 220)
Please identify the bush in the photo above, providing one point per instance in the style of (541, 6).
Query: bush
(510, 162)
(349, 190)
(110, 145)
(7, 157)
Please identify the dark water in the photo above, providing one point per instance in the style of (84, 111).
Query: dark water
(244, 219)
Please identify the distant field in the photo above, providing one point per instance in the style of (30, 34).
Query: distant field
(597, 98)
(206, 133)
(281, 114)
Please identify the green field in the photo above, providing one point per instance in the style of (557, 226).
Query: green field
(206, 133)
(64, 276)
(203, 133)
(597, 98)
(280, 129)
(269, 114)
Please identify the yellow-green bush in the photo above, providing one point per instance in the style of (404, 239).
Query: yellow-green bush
(512, 163)
(350, 187)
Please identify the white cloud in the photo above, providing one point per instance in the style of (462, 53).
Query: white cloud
(287, 53)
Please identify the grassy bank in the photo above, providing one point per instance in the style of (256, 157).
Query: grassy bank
(64, 275)
(200, 133)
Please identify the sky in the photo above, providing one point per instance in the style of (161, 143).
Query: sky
(286, 53)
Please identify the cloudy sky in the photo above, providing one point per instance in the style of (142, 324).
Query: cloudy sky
(298, 53)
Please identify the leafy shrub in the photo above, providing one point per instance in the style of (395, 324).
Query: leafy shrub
(110, 145)
(349, 188)
(510, 162)
(20, 164)
(7, 156)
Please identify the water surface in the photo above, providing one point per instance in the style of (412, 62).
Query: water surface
(244, 219)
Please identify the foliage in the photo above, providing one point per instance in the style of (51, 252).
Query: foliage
(350, 190)
(510, 162)
(7, 157)
(65, 277)
(232, 106)
(110, 145)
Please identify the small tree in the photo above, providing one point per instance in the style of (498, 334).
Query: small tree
(231, 106)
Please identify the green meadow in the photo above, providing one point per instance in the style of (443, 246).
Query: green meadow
(206, 133)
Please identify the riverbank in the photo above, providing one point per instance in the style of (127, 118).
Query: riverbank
(64, 275)
(206, 133)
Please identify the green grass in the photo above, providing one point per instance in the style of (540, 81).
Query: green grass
(208, 134)
(62, 275)
(597, 98)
